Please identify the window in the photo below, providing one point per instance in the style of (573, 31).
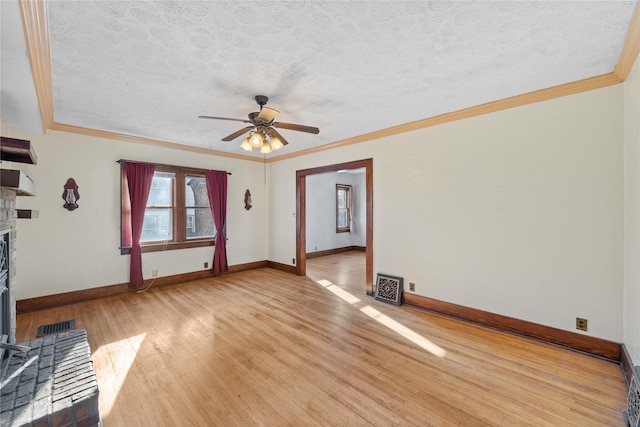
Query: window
(199, 218)
(178, 215)
(158, 217)
(343, 208)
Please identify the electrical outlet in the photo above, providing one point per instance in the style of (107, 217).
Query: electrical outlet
(412, 287)
(293, 261)
(154, 272)
(206, 265)
(581, 324)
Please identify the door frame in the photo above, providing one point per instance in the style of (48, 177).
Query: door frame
(301, 214)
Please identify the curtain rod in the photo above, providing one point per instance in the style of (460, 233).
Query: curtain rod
(121, 161)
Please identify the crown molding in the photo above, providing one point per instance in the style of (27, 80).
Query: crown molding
(36, 34)
(631, 47)
(141, 140)
(490, 107)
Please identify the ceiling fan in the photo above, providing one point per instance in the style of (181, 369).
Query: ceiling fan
(263, 133)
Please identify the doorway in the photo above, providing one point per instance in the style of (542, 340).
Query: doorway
(301, 215)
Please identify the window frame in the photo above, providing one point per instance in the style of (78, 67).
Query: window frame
(179, 225)
(348, 189)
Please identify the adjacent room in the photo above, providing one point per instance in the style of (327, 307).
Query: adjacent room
(320, 213)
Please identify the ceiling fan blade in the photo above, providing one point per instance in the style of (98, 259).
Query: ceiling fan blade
(237, 134)
(299, 128)
(223, 118)
(267, 114)
(273, 132)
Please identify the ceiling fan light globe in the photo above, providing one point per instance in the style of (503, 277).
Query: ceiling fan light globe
(276, 144)
(256, 140)
(266, 148)
(246, 145)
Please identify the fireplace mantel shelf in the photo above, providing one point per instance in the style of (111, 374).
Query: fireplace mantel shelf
(19, 182)
(17, 150)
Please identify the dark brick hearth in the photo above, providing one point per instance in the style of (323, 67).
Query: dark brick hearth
(53, 384)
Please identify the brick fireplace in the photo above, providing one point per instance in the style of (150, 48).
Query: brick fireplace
(7, 265)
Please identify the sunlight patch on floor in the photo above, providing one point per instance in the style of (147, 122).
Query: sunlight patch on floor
(351, 299)
(399, 328)
(121, 354)
(385, 320)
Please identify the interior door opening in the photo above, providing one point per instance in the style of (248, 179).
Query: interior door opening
(301, 214)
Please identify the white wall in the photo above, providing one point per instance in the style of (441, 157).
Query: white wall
(321, 211)
(518, 212)
(631, 304)
(64, 251)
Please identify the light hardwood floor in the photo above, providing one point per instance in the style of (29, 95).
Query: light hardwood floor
(264, 347)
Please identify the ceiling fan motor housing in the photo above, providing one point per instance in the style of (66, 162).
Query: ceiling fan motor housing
(253, 116)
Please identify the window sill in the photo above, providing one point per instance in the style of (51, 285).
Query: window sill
(169, 246)
(343, 230)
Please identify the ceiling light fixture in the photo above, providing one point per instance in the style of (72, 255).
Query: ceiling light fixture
(256, 138)
(266, 148)
(263, 139)
(246, 145)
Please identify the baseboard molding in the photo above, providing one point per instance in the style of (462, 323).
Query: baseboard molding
(627, 364)
(318, 254)
(282, 267)
(247, 266)
(50, 301)
(595, 346)
(56, 300)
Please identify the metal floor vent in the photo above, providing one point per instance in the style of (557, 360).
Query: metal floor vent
(55, 328)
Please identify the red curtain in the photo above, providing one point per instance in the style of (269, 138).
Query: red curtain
(139, 177)
(217, 189)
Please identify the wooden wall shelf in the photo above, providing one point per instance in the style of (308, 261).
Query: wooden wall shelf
(19, 182)
(17, 150)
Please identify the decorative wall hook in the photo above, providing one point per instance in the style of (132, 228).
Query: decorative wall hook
(70, 195)
(247, 199)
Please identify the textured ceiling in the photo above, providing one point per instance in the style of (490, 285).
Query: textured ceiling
(150, 68)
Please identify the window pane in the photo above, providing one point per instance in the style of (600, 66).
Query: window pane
(342, 218)
(200, 223)
(157, 225)
(196, 191)
(342, 199)
(161, 193)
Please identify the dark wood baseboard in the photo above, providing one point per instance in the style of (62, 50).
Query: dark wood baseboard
(318, 254)
(247, 266)
(50, 301)
(627, 364)
(282, 267)
(595, 346)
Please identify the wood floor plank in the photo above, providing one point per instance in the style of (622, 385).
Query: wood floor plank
(268, 348)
